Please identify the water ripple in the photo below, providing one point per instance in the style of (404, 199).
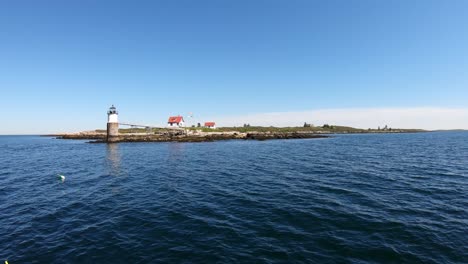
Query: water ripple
(351, 198)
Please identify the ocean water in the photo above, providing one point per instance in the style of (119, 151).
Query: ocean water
(388, 198)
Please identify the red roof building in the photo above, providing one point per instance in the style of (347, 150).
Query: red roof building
(210, 124)
(175, 121)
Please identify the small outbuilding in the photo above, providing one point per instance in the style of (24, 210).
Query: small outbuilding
(210, 124)
(175, 121)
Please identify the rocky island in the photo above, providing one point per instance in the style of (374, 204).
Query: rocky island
(177, 132)
(223, 133)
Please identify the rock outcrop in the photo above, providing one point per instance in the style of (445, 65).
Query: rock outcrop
(190, 136)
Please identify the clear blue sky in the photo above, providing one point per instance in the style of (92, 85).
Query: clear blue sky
(62, 63)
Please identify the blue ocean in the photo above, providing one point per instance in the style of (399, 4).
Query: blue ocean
(367, 198)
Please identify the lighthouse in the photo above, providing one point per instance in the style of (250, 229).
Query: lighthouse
(112, 125)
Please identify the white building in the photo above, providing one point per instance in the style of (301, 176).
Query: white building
(210, 125)
(175, 121)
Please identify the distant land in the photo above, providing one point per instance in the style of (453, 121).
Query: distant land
(448, 130)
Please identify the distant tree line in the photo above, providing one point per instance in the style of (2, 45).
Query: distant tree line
(386, 128)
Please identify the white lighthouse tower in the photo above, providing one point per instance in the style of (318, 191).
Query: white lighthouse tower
(112, 124)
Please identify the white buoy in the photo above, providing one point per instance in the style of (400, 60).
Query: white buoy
(61, 177)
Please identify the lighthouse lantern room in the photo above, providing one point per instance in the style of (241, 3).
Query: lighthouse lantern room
(112, 115)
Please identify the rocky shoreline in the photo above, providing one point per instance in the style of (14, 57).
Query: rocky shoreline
(195, 135)
(189, 137)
